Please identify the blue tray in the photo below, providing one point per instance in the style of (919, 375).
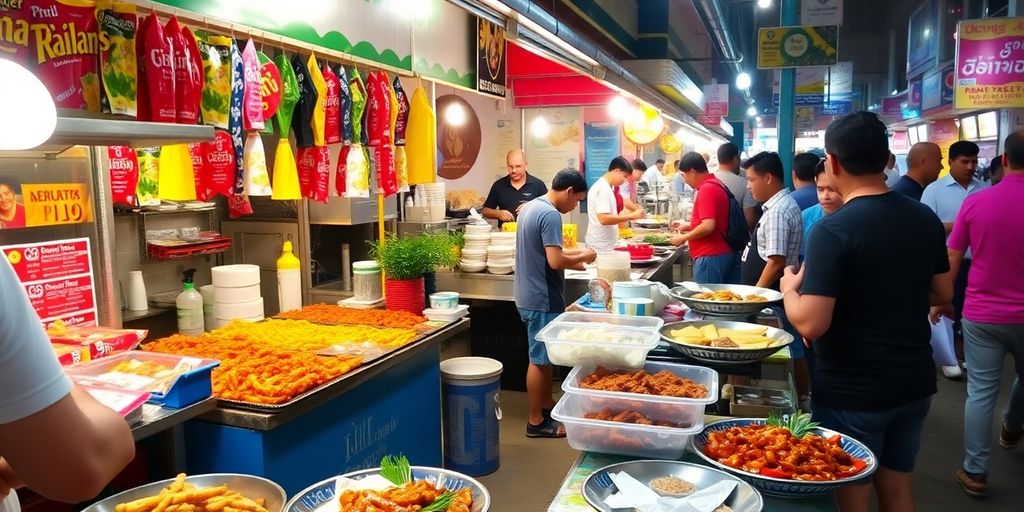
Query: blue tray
(189, 388)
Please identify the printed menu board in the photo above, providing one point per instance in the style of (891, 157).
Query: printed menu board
(57, 277)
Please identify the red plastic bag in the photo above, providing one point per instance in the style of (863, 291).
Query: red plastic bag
(219, 163)
(314, 172)
(252, 101)
(184, 76)
(70, 71)
(342, 170)
(239, 206)
(201, 171)
(332, 123)
(158, 60)
(197, 79)
(124, 174)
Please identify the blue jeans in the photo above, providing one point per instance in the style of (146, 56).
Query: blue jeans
(985, 346)
(535, 322)
(893, 435)
(721, 269)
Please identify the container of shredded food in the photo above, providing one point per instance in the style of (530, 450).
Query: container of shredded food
(597, 339)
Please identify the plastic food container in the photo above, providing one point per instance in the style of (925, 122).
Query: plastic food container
(612, 341)
(647, 441)
(677, 406)
(188, 388)
(444, 300)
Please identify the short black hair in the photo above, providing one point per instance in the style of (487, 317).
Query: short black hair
(728, 152)
(620, 163)
(963, 148)
(819, 168)
(639, 165)
(804, 164)
(569, 178)
(693, 160)
(766, 163)
(860, 142)
(659, 161)
(1014, 149)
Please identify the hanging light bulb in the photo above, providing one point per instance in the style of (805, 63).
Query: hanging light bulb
(743, 81)
(764, 4)
(455, 114)
(752, 111)
(540, 127)
(26, 107)
(617, 107)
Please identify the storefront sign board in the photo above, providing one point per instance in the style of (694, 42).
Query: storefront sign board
(792, 47)
(821, 12)
(57, 277)
(716, 100)
(937, 88)
(491, 58)
(943, 132)
(990, 64)
(43, 204)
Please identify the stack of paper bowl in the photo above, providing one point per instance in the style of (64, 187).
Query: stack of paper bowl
(501, 259)
(236, 294)
(474, 250)
(503, 238)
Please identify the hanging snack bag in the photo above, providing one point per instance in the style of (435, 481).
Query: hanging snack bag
(252, 102)
(341, 172)
(67, 47)
(357, 175)
(332, 106)
(421, 139)
(149, 176)
(270, 90)
(197, 152)
(289, 95)
(345, 107)
(216, 100)
(190, 109)
(302, 119)
(14, 42)
(257, 179)
(157, 59)
(124, 174)
(239, 206)
(379, 123)
(401, 112)
(358, 90)
(181, 62)
(219, 162)
(142, 90)
(315, 173)
(235, 123)
(306, 159)
(320, 107)
(117, 26)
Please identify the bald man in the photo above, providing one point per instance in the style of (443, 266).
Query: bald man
(509, 194)
(924, 162)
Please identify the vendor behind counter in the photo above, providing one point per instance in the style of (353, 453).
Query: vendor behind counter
(509, 194)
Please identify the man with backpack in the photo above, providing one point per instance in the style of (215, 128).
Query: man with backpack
(717, 229)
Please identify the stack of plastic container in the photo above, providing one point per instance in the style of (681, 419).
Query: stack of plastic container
(236, 294)
(589, 340)
(501, 254)
(474, 250)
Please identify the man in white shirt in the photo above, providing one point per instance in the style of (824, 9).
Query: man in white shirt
(892, 172)
(729, 174)
(54, 437)
(602, 213)
(653, 175)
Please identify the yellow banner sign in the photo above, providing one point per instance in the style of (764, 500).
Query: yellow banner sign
(51, 204)
(794, 47)
(990, 64)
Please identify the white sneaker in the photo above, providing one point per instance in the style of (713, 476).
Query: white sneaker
(952, 372)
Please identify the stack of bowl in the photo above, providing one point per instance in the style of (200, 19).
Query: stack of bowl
(474, 251)
(501, 258)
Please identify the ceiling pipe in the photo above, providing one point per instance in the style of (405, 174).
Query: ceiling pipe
(710, 12)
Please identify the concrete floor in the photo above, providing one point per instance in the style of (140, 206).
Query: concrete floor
(532, 469)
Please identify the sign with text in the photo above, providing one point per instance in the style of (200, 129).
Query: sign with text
(989, 64)
(57, 277)
(937, 88)
(490, 58)
(943, 132)
(838, 89)
(793, 47)
(716, 100)
(51, 204)
(821, 12)
(601, 143)
(810, 86)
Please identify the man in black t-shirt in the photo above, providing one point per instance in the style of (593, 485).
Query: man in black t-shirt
(868, 312)
(509, 194)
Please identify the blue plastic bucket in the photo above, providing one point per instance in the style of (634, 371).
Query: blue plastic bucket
(471, 408)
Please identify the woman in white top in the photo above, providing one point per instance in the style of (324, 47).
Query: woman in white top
(602, 213)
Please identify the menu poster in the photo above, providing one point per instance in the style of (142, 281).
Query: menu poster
(600, 145)
(490, 58)
(553, 141)
(28, 205)
(57, 277)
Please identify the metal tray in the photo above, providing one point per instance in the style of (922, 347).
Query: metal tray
(721, 355)
(249, 486)
(714, 307)
(599, 485)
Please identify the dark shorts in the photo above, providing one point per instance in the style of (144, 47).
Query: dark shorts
(535, 322)
(893, 435)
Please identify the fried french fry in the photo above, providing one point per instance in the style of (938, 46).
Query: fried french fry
(246, 504)
(178, 484)
(142, 505)
(164, 503)
(199, 495)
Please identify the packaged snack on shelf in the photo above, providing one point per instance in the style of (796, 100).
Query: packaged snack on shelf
(69, 355)
(100, 341)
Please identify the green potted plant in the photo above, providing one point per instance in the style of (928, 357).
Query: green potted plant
(404, 261)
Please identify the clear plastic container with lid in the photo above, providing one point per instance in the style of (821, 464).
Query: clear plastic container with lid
(614, 341)
(366, 280)
(613, 266)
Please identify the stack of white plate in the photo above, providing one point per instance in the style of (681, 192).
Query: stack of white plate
(474, 250)
(236, 294)
(501, 259)
(503, 238)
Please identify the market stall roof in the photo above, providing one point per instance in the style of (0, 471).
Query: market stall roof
(540, 82)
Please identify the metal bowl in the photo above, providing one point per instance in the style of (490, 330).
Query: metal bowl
(252, 487)
(320, 497)
(714, 307)
(725, 355)
(599, 486)
(650, 223)
(783, 487)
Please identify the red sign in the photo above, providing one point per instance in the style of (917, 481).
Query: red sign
(709, 120)
(57, 277)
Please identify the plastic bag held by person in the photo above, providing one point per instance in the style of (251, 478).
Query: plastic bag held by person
(235, 123)
(252, 99)
(942, 342)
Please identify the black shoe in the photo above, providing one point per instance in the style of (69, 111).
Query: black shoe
(548, 428)
(1009, 439)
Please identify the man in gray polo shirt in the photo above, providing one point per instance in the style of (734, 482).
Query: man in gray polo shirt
(540, 286)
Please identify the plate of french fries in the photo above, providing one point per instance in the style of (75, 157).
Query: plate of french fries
(218, 492)
(725, 342)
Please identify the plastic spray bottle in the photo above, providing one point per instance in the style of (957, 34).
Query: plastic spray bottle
(189, 304)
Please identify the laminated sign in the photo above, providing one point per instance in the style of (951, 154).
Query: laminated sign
(57, 278)
(794, 47)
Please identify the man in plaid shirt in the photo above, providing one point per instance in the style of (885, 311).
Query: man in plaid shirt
(778, 236)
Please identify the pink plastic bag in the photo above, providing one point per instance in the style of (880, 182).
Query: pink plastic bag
(252, 102)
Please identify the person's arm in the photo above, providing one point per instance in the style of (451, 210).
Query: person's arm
(772, 270)
(751, 210)
(70, 450)
(809, 295)
(559, 259)
(611, 219)
(811, 315)
(941, 294)
(705, 228)
(492, 210)
(948, 226)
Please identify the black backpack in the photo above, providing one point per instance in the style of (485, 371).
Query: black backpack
(736, 234)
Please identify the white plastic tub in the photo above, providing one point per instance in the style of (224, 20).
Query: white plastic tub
(646, 441)
(612, 341)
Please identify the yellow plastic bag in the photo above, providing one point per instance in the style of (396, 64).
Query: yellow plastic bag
(177, 176)
(286, 173)
(421, 140)
(319, 120)
(357, 176)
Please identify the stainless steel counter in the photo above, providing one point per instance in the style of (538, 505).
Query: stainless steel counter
(269, 420)
(484, 286)
(157, 419)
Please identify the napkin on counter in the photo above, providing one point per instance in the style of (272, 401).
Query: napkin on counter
(634, 494)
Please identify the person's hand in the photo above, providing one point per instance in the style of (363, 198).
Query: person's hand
(8, 480)
(588, 255)
(506, 216)
(639, 214)
(676, 226)
(677, 240)
(791, 278)
(936, 311)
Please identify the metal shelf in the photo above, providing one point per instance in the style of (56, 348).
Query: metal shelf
(89, 131)
(142, 215)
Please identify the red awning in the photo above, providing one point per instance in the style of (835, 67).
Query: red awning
(540, 82)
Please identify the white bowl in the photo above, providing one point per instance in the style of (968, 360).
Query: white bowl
(472, 266)
(500, 270)
(504, 237)
(474, 237)
(474, 254)
(501, 262)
